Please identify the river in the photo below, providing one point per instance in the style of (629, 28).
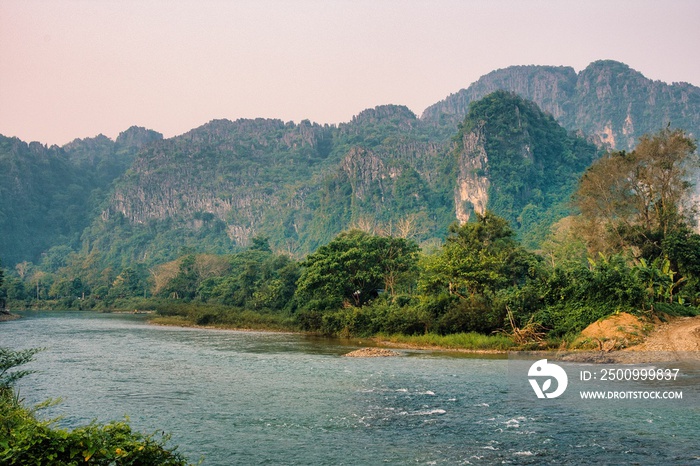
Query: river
(272, 398)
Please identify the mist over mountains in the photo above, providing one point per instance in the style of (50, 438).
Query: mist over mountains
(142, 198)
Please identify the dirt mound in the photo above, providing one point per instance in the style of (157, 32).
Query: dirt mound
(615, 332)
(641, 341)
(678, 335)
(372, 353)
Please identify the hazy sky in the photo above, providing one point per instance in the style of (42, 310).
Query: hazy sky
(73, 69)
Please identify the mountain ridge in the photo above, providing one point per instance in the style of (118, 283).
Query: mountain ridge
(226, 181)
(607, 100)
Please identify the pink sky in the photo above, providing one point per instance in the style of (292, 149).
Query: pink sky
(73, 69)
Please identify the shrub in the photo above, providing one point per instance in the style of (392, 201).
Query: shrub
(471, 315)
(24, 439)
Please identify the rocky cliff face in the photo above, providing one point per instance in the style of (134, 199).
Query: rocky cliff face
(619, 105)
(517, 161)
(233, 172)
(608, 100)
(299, 184)
(105, 160)
(472, 191)
(549, 86)
(366, 172)
(137, 137)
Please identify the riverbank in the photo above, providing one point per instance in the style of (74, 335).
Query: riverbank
(6, 315)
(617, 339)
(463, 342)
(177, 321)
(460, 342)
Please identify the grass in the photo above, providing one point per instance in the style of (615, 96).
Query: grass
(460, 341)
(227, 319)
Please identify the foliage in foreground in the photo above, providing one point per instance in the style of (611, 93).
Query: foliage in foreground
(25, 439)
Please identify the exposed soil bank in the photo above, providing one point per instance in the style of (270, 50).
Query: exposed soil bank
(627, 339)
(681, 334)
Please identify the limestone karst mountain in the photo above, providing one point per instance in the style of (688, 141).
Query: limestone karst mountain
(607, 100)
(142, 198)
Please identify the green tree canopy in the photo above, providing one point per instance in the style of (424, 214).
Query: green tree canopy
(478, 258)
(354, 267)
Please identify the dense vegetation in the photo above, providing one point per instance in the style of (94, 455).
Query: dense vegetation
(216, 187)
(533, 163)
(349, 229)
(212, 190)
(35, 186)
(26, 439)
(49, 195)
(631, 249)
(140, 199)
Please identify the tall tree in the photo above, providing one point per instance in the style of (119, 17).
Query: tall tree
(478, 258)
(635, 200)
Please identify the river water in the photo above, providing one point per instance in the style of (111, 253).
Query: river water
(267, 398)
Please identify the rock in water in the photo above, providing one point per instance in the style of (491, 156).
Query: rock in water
(372, 353)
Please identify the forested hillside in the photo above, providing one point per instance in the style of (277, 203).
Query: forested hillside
(519, 163)
(49, 195)
(216, 187)
(219, 185)
(388, 223)
(142, 201)
(44, 200)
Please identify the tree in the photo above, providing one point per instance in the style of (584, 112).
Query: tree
(634, 200)
(127, 284)
(55, 258)
(563, 245)
(353, 267)
(260, 243)
(9, 360)
(14, 289)
(68, 288)
(467, 284)
(23, 269)
(478, 258)
(184, 284)
(41, 283)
